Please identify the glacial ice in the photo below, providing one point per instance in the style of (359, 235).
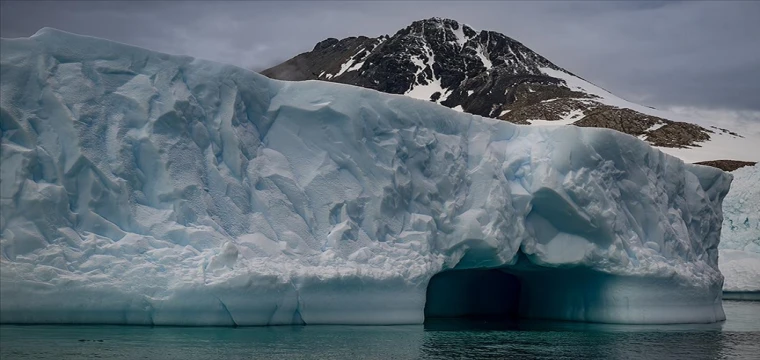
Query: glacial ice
(740, 236)
(144, 188)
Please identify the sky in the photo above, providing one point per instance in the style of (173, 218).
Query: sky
(688, 56)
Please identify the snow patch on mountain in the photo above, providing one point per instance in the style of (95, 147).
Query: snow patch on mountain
(459, 36)
(431, 84)
(481, 54)
(351, 64)
(567, 119)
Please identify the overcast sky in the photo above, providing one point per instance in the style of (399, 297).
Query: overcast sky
(691, 55)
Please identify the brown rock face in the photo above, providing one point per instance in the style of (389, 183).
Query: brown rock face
(623, 120)
(727, 165)
(678, 135)
(657, 131)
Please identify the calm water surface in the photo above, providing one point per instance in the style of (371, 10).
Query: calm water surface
(736, 338)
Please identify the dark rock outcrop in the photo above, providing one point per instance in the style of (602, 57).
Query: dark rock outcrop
(727, 165)
(655, 130)
(484, 73)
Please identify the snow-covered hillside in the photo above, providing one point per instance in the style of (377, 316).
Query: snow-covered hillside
(734, 144)
(144, 188)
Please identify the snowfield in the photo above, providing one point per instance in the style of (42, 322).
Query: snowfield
(144, 188)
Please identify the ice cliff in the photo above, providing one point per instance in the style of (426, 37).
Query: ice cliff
(740, 237)
(144, 188)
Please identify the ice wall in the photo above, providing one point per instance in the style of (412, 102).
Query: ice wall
(143, 188)
(740, 237)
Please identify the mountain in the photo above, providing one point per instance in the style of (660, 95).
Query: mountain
(489, 74)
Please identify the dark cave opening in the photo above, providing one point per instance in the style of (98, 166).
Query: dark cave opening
(473, 293)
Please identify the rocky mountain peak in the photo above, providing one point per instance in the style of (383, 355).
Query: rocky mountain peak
(480, 72)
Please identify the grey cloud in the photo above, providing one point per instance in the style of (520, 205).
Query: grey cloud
(660, 53)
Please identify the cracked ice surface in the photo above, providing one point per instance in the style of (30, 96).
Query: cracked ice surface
(144, 188)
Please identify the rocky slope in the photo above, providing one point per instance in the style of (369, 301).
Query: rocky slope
(484, 73)
(727, 165)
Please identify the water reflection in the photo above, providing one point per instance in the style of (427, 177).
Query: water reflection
(739, 337)
(489, 340)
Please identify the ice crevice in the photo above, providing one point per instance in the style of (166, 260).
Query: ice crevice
(226, 310)
(236, 200)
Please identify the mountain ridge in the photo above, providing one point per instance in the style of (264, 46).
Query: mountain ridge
(489, 74)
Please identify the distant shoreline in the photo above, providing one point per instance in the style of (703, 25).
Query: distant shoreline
(742, 295)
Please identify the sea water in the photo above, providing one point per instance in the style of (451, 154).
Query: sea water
(736, 338)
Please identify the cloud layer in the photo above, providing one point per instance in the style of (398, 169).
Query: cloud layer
(696, 54)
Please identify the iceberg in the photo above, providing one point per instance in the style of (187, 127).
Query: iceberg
(740, 236)
(144, 188)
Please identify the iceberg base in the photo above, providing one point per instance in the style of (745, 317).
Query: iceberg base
(585, 295)
(574, 294)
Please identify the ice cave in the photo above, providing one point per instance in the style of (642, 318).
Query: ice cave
(482, 293)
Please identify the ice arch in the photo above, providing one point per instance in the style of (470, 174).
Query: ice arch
(526, 290)
(475, 293)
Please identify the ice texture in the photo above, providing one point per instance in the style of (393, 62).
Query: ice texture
(740, 238)
(145, 188)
